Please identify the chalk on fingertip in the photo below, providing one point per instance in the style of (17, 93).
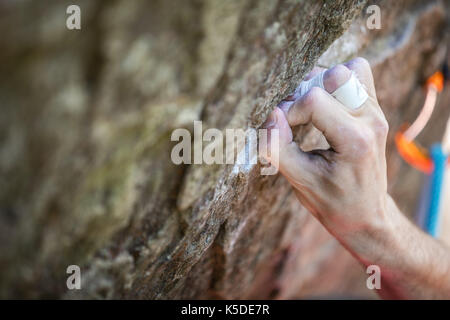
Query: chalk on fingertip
(351, 94)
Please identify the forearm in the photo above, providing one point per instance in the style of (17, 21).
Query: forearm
(345, 186)
(413, 265)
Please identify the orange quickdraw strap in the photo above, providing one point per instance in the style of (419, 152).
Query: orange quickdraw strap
(413, 154)
(436, 80)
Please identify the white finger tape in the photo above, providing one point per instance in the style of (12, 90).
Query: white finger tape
(305, 86)
(351, 94)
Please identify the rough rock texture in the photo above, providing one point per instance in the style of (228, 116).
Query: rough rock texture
(86, 174)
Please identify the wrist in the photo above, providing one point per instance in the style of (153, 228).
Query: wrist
(372, 239)
(412, 263)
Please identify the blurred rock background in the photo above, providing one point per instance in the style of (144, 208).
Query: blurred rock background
(85, 125)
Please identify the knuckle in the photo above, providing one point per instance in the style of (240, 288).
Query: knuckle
(312, 97)
(364, 142)
(381, 126)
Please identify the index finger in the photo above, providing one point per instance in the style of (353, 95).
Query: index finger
(326, 114)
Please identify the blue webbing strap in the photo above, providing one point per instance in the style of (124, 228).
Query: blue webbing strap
(437, 178)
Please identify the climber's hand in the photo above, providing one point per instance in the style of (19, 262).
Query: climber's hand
(345, 187)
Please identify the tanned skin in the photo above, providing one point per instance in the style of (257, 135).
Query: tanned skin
(345, 187)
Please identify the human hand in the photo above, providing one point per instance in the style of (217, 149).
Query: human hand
(344, 187)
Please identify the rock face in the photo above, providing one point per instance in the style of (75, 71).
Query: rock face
(87, 116)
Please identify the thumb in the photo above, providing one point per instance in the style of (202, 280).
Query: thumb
(297, 166)
(275, 132)
(277, 122)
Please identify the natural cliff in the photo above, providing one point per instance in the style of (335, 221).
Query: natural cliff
(86, 174)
